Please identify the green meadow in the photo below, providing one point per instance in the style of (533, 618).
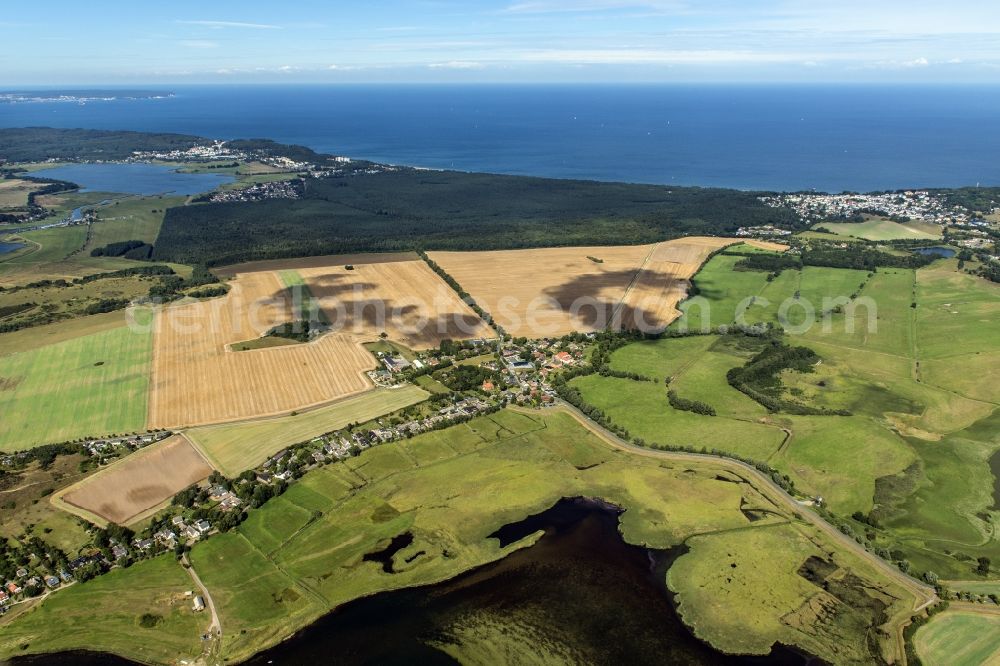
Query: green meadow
(959, 638)
(104, 615)
(91, 385)
(880, 229)
(913, 360)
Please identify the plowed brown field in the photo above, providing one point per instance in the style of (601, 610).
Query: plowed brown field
(140, 482)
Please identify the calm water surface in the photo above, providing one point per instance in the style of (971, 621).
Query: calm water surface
(135, 178)
(840, 137)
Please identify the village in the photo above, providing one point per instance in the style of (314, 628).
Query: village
(278, 189)
(909, 205)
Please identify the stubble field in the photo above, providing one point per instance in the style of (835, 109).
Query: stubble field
(197, 379)
(554, 291)
(235, 447)
(405, 300)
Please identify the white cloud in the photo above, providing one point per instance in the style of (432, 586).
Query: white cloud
(456, 64)
(233, 24)
(657, 56)
(915, 63)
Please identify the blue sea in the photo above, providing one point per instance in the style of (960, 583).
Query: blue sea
(830, 138)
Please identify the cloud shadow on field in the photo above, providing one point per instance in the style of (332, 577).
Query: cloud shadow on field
(375, 315)
(579, 297)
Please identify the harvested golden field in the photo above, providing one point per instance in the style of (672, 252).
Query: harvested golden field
(765, 245)
(547, 291)
(198, 380)
(127, 489)
(235, 447)
(554, 291)
(322, 261)
(14, 193)
(404, 299)
(663, 282)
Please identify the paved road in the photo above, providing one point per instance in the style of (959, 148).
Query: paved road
(924, 595)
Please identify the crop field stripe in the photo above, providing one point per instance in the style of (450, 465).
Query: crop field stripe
(232, 448)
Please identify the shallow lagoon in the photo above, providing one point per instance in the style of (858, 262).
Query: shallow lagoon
(136, 178)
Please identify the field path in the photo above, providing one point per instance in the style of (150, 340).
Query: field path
(216, 627)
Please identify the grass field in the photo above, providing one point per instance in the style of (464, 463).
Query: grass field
(50, 245)
(236, 447)
(104, 615)
(450, 489)
(974, 586)
(33, 306)
(959, 638)
(697, 367)
(130, 488)
(58, 253)
(880, 229)
(91, 385)
(727, 609)
(25, 506)
(918, 381)
(135, 218)
(841, 457)
(39, 336)
(722, 294)
(14, 193)
(661, 358)
(642, 408)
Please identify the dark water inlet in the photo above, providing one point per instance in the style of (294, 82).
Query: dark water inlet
(385, 555)
(584, 593)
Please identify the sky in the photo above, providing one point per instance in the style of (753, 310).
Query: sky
(62, 43)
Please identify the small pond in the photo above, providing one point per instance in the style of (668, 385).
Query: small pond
(944, 252)
(6, 247)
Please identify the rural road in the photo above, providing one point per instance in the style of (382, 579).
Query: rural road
(925, 595)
